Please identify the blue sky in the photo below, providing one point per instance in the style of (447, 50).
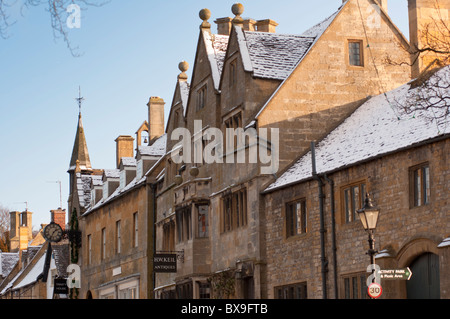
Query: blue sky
(130, 51)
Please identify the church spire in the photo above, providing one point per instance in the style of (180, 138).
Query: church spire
(80, 151)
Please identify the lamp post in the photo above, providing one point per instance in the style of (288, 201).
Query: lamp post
(369, 218)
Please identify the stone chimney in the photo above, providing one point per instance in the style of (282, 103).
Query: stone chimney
(124, 147)
(249, 25)
(14, 219)
(266, 25)
(155, 118)
(58, 216)
(26, 220)
(224, 25)
(24, 235)
(423, 13)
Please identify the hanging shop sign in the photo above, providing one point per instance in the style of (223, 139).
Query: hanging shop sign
(165, 263)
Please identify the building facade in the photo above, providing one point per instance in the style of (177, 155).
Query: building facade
(230, 209)
(248, 76)
(316, 244)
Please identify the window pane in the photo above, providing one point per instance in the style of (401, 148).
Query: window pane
(355, 287)
(347, 288)
(363, 286)
(289, 218)
(355, 53)
(426, 184)
(304, 225)
(298, 217)
(203, 221)
(347, 203)
(417, 188)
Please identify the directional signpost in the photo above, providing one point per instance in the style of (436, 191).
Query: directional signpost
(395, 274)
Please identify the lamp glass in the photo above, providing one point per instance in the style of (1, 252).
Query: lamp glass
(369, 218)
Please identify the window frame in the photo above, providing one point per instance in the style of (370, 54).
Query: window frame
(201, 96)
(103, 243)
(234, 210)
(135, 229)
(362, 189)
(202, 224)
(118, 237)
(183, 221)
(361, 53)
(348, 287)
(291, 224)
(419, 196)
(292, 291)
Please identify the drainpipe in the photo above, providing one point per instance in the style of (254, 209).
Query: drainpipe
(153, 194)
(333, 234)
(323, 259)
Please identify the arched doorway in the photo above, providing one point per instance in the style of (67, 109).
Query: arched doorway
(425, 281)
(89, 295)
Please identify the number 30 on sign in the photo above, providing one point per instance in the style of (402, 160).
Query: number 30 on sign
(374, 290)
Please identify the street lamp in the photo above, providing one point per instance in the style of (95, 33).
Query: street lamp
(369, 218)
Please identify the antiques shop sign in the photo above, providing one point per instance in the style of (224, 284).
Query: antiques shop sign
(165, 263)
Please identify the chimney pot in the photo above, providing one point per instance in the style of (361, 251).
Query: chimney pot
(266, 25)
(224, 25)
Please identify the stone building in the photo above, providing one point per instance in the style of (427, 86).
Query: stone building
(211, 213)
(30, 273)
(216, 201)
(114, 211)
(315, 241)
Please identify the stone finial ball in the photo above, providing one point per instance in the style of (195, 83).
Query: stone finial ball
(204, 14)
(237, 9)
(183, 66)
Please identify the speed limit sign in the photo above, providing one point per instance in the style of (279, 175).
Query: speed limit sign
(374, 290)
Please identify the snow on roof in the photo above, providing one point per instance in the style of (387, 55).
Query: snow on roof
(216, 48)
(158, 148)
(84, 189)
(376, 128)
(320, 28)
(128, 161)
(112, 173)
(97, 180)
(274, 55)
(444, 243)
(32, 274)
(7, 263)
(184, 93)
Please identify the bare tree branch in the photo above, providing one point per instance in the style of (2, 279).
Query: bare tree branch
(58, 16)
(430, 92)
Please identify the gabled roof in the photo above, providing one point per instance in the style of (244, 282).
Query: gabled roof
(273, 55)
(184, 94)
(378, 127)
(216, 48)
(7, 263)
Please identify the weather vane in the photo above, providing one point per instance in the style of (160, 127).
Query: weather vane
(80, 99)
